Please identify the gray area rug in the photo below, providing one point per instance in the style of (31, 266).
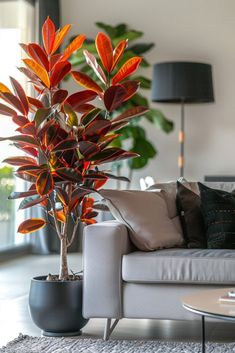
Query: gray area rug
(26, 344)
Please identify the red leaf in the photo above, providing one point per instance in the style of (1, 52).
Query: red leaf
(130, 113)
(29, 150)
(5, 110)
(19, 195)
(35, 102)
(44, 183)
(73, 46)
(105, 50)
(63, 196)
(20, 93)
(31, 225)
(61, 69)
(90, 116)
(85, 108)
(59, 96)
(60, 35)
(48, 35)
(28, 129)
(99, 183)
(38, 54)
(28, 73)
(27, 140)
(92, 62)
(54, 59)
(13, 100)
(97, 127)
(131, 88)
(114, 96)
(20, 120)
(77, 99)
(88, 148)
(118, 51)
(127, 69)
(20, 161)
(65, 145)
(85, 81)
(69, 174)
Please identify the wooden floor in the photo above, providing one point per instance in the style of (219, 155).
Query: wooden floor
(14, 316)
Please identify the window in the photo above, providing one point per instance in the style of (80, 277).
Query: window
(16, 26)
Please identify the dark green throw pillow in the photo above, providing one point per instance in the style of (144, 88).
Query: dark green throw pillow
(218, 209)
(188, 205)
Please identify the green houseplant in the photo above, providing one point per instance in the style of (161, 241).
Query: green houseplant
(133, 134)
(65, 139)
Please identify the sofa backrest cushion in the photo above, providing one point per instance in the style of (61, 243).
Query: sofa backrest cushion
(146, 216)
(218, 209)
(189, 207)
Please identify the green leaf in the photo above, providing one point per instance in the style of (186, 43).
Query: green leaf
(141, 48)
(41, 115)
(130, 35)
(146, 151)
(138, 99)
(72, 119)
(144, 81)
(157, 118)
(110, 30)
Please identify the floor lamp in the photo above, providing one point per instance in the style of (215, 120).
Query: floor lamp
(182, 82)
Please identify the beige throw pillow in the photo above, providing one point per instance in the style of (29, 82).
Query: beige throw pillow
(145, 214)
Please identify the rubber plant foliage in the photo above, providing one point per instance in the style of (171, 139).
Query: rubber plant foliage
(133, 132)
(65, 137)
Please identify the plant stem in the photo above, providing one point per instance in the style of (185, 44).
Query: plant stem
(64, 273)
(75, 228)
(130, 178)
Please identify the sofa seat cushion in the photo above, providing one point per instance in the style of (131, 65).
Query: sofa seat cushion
(180, 266)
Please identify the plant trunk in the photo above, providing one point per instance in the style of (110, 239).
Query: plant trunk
(64, 273)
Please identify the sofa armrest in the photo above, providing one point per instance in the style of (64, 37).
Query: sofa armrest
(104, 245)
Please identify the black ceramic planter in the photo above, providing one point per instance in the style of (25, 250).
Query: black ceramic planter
(56, 306)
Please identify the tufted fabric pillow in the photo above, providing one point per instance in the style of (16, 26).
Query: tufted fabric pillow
(188, 204)
(146, 216)
(218, 209)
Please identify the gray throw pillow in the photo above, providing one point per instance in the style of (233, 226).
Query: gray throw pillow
(145, 214)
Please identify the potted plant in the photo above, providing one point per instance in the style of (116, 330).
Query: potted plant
(65, 139)
(133, 135)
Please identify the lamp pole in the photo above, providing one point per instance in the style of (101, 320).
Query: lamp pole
(181, 140)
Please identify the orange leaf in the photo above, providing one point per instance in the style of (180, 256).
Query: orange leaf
(60, 35)
(48, 35)
(85, 81)
(127, 69)
(105, 50)
(38, 70)
(44, 183)
(74, 45)
(118, 51)
(4, 88)
(59, 215)
(31, 225)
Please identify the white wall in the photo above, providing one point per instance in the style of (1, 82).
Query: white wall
(194, 30)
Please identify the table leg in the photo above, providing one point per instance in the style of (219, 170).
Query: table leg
(203, 334)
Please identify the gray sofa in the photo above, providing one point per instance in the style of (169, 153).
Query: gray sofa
(121, 282)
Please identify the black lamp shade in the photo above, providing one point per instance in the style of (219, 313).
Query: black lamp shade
(189, 82)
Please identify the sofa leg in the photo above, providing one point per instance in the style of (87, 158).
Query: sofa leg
(109, 327)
